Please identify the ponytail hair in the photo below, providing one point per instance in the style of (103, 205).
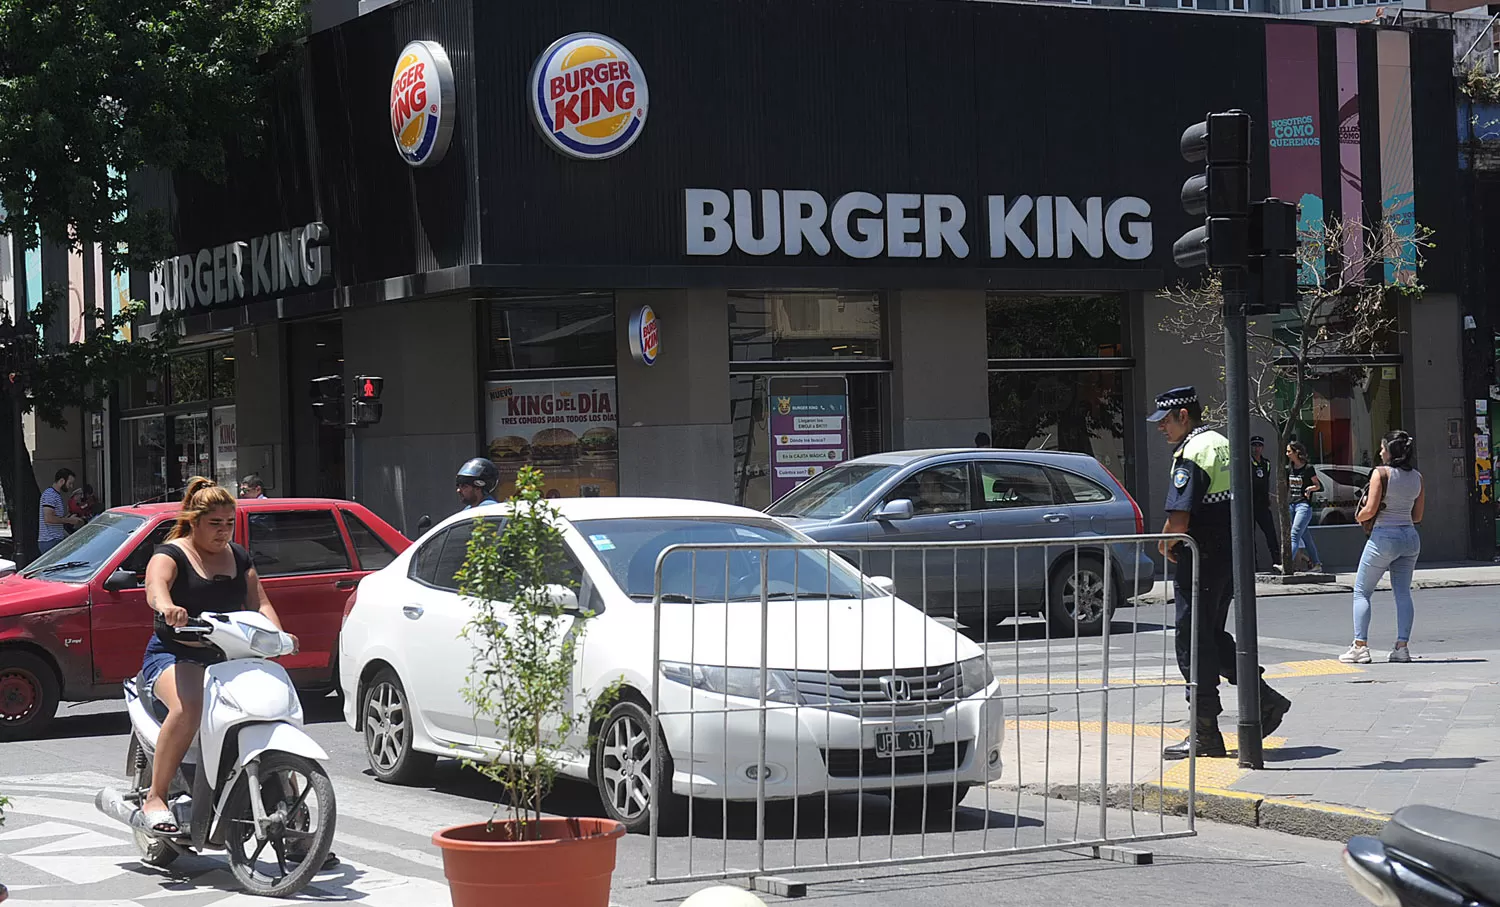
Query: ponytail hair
(203, 495)
(1400, 446)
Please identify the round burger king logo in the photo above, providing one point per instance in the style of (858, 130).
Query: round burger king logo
(422, 107)
(588, 96)
(645, 337)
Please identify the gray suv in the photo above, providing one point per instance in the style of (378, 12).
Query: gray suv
(971, 495)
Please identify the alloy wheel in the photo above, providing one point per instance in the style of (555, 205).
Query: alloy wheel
(385, 726)
(628, 769)
(1083, 596)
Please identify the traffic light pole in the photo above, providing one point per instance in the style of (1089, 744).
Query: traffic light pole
(1247, 635)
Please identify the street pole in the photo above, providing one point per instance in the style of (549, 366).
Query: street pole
(1246, 636)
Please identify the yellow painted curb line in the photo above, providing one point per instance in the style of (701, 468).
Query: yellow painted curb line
(1166, 676)
(1117, 729)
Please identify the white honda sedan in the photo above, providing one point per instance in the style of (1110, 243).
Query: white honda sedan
(861, 690)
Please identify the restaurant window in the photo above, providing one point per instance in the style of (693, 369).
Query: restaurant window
(179, 424)
(809, 387)
(1346, 413)
(1057, 375)
(550, 398)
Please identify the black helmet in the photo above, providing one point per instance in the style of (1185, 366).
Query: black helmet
(480, 473)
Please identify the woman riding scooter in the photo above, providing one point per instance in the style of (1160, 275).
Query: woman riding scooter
(198, 569)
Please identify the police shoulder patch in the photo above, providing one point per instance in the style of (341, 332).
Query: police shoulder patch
(1180, 477)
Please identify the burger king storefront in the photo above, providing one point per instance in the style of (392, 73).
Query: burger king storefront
(701, 249)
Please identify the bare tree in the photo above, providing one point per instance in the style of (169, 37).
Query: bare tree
(1351, 274)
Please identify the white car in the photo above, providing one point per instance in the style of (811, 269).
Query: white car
(864, 691)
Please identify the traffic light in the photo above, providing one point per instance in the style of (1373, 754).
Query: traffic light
(367, 406)
(1221, 194)
(1273, 262)
(328, 399)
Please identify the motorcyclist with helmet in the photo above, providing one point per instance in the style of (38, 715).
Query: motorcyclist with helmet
(476, 483)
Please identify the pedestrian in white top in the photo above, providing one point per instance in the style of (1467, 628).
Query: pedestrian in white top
(1393, 509)
(55, 519)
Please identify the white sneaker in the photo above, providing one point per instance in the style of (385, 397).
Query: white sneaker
(1357, 655)
(1401, 654)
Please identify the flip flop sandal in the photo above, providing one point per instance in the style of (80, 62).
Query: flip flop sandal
(161, 822)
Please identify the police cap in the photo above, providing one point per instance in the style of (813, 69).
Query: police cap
(1173, 400)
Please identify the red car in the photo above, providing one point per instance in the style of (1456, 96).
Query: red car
(74, 623)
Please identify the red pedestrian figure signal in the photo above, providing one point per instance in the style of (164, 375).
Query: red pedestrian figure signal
(370, 387)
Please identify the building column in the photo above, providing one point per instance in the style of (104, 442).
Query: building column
(260, 400)
(940, 391)
(1431, 396)
(675, 436)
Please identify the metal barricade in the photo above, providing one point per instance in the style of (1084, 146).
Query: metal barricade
(818, 721)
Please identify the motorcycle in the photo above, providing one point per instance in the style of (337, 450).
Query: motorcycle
(1428, 857)
(251, 782)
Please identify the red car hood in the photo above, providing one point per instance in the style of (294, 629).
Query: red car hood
(19, 595)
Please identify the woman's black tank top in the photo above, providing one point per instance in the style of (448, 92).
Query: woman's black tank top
(194, 594)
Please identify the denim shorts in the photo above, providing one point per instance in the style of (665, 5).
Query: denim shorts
(160, 656)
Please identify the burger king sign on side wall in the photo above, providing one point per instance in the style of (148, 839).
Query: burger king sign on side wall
(588, 96)
(422, 106)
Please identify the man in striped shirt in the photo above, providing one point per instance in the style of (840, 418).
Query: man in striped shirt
(55, 518)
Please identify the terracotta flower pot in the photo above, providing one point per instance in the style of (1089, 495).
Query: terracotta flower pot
(569, 865)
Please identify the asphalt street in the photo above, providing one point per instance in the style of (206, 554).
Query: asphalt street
(55, 849)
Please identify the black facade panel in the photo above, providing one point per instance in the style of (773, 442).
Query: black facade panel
(1435, 155)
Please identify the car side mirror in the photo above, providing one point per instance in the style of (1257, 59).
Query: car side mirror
(121, 579)
(893, 511)
(424, 524)
(884, 583)
(7, 567)
(563, 598)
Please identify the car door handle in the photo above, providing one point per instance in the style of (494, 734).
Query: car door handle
(413, 611)
(346, 584)
(961, 524)
(1054, 517)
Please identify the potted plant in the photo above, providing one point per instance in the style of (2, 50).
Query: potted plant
(525, 634)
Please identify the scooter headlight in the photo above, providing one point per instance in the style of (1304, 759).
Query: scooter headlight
(268, 643)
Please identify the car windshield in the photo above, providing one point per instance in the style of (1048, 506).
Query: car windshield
(630, 547)
(79, 556)
(833, 493)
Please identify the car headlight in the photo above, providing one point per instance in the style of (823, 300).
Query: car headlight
(975, 676)
(742, 682)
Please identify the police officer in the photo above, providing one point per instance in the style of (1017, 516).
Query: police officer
(1260, 485)
(476, 482)
(1198, 506)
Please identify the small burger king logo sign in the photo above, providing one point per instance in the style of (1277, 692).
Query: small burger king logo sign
(588, 96)
(645, 337)
(422, 107)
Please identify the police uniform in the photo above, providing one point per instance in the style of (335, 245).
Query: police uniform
(1200, 487)
(1260, 487)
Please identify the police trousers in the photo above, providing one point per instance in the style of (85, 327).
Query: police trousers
(1216, 656)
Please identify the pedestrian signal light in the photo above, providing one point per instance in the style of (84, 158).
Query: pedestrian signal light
(369, 387)
(327, 399)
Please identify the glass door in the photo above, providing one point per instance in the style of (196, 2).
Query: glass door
(190, 443)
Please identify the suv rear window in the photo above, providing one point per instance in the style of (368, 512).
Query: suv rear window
(1078, 490)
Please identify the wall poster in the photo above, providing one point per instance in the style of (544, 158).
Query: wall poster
(1296, 154)
(809, 428)
(226, 443)
(564, 427)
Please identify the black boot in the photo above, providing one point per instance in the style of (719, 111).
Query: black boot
(1273, 708)
(1210, 742)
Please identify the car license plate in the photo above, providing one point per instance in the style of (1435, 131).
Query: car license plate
(911, 742)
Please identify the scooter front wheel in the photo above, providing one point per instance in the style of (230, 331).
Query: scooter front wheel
(279, 858)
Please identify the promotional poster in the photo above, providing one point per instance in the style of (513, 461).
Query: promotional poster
(565, 428)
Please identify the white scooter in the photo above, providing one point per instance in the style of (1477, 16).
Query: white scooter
(251, 783)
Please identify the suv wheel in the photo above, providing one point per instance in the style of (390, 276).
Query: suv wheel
(1076, 599)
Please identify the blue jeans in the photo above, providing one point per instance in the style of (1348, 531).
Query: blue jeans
(1301, 538)
(1393, 548)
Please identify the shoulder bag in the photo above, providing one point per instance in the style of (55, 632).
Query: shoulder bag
(1364, 495)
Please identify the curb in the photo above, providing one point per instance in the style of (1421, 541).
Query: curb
(1276, 590)
(1232, 807)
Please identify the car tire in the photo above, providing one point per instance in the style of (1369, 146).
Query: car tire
(625, 772)
(1090, 578)
(939, 799)
(388, 740)
(29, 693)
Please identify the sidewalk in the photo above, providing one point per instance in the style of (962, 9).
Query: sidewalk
(1427, 576)
(1360, 742)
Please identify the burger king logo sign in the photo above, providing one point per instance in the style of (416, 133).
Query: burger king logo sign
(588, 96)
(422, 107)
(645, 336)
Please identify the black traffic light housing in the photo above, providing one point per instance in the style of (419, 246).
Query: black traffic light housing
(1273, 257)
(1221, 194)
(367, 407)
(328, 399)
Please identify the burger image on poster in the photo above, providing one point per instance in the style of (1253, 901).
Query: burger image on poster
(599, 442)
(554, 447)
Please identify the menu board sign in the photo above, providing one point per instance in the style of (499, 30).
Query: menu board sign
(809, 429)
(565, 428)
